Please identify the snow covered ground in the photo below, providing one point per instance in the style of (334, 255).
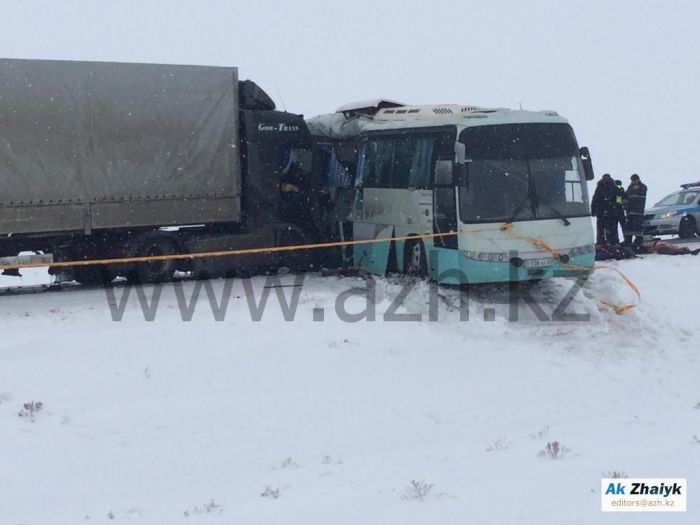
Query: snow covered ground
(310, 422)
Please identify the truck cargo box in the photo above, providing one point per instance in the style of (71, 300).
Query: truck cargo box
(89, 145)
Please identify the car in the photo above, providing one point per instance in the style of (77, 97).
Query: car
(677, 213)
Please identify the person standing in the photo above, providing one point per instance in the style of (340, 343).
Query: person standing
(636, 199)
(619, 212)
(603, 209)
(293, 203)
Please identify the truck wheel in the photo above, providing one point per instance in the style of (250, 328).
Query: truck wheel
(414, 259)
(154, 271)
(296, 260)
(92, 275)
(687, 228)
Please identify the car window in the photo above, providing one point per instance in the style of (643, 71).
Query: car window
(690, 197)
(670, 200)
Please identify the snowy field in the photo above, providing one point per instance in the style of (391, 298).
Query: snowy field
(329, 422)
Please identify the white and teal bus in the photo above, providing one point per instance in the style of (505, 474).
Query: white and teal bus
(462, 194)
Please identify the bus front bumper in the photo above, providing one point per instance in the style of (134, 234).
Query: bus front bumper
(449, 266)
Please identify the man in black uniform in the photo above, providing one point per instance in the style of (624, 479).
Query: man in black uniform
(619, 212)
(636, 199)
(293, 198)
(603, 209)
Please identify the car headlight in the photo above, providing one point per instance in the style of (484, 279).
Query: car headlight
(667, 214)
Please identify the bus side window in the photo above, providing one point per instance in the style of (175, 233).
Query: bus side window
(413, 160)
(379, 164)
(406, 146)
(361, 166)
(422, 161)
(369, 178)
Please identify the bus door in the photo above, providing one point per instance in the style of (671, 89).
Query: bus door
(444, 201)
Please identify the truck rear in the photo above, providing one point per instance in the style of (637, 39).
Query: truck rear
(107, 160)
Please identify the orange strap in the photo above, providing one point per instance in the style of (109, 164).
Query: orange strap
(243, 251)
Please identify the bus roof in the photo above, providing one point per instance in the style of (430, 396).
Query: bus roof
(347, 124)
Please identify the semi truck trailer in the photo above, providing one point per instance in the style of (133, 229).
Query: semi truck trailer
(111, 160)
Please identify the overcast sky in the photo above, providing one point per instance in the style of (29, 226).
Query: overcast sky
(626, 73)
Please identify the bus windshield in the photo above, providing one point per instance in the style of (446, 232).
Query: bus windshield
(522, 172)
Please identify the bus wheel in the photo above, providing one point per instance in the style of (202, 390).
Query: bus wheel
(154, 271)
(414, 261)
(686, 229)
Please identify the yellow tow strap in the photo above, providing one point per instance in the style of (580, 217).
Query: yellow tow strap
(506, 228)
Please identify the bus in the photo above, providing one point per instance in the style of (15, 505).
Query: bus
(458, 194)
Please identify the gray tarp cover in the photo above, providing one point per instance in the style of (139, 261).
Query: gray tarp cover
(88, 131)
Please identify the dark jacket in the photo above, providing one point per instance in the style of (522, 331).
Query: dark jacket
(636, 198)
(620, 199)
(603, 204)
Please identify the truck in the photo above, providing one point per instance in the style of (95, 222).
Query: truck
(102, 160)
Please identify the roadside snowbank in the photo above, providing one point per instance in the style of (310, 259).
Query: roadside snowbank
(156, 421)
